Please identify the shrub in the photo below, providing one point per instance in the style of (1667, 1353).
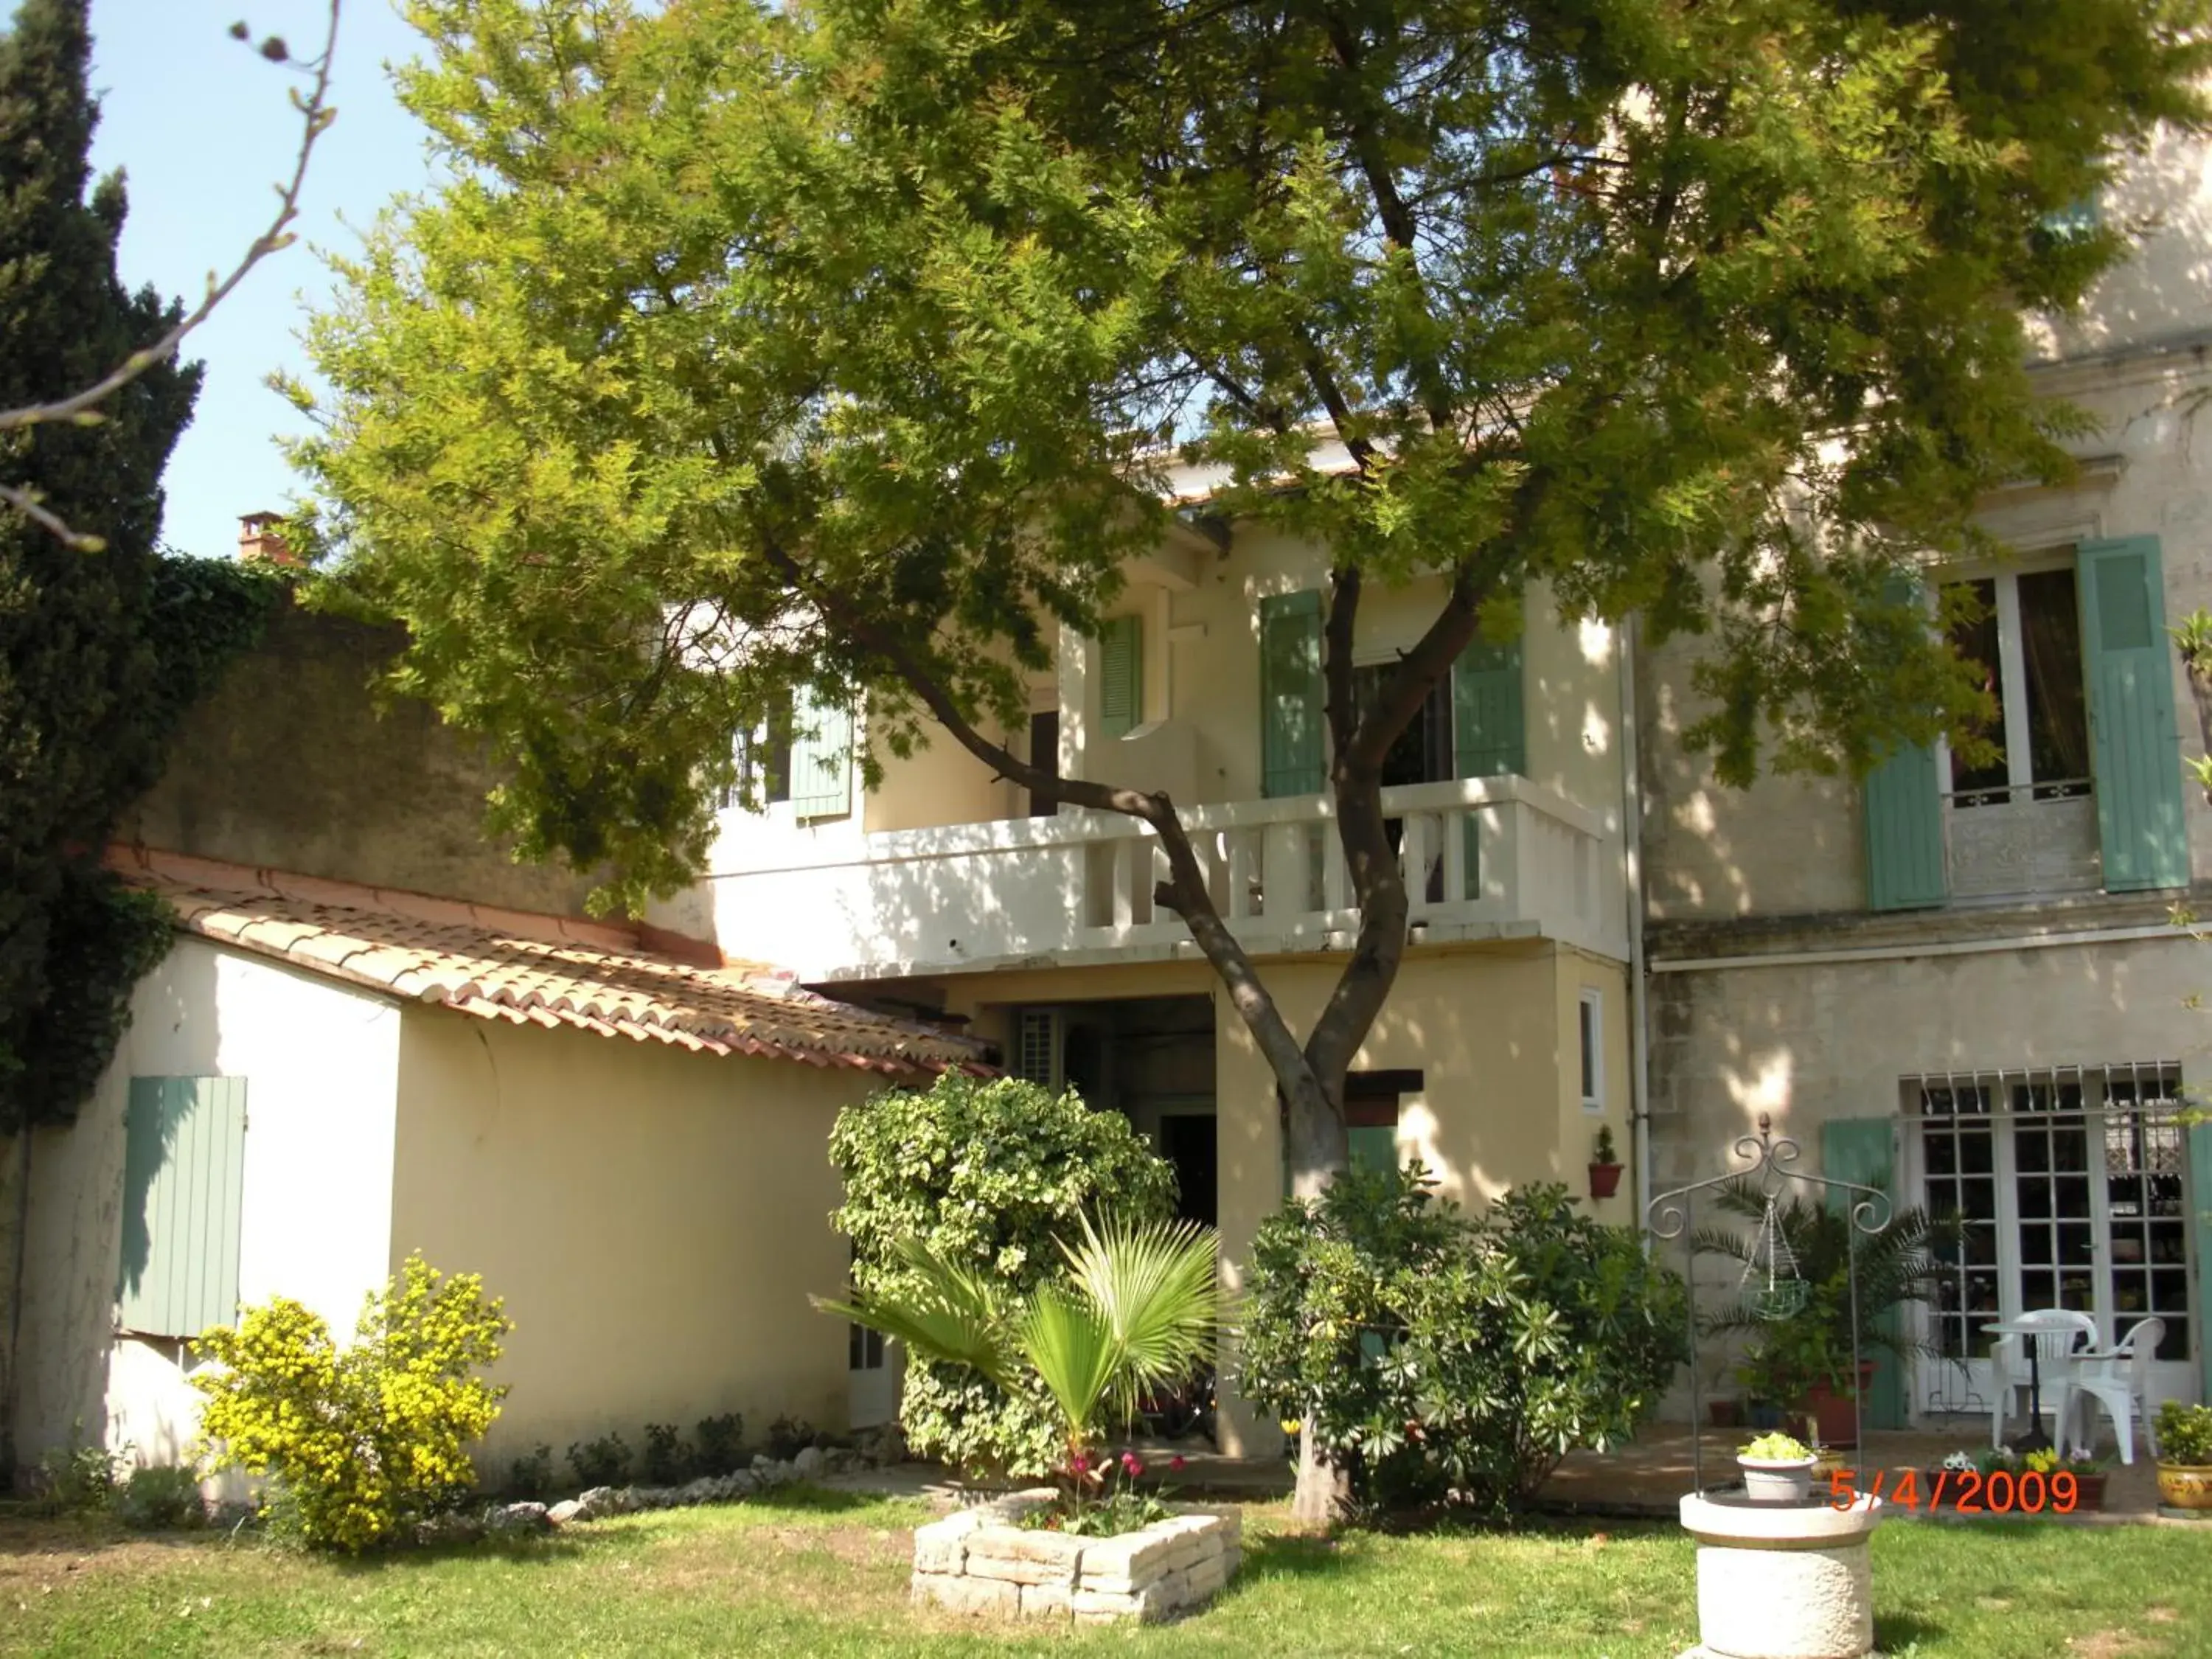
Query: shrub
(161, 1499)
(985, 1175)
(1440, 1361)
(601, 1463)
(77, 1479)
(368, 1440)
(787, 1437)
(532, 1477)
(722, 1444)
(2185, 1434)
(666, 1462)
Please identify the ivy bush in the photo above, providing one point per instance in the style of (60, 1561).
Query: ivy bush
(366, 1440)
(1442, 1361)
(988, 1174)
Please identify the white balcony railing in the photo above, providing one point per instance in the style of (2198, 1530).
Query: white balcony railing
(1484, 857)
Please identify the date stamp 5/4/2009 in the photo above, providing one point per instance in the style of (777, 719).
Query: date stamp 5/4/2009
(1964, 1492)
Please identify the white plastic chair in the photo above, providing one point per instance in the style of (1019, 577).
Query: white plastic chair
(2120, 1383)
(2061, 1330)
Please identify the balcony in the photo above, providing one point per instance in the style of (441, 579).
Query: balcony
(2010, 842)
(1487, 858)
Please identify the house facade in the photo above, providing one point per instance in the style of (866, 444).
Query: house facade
(323, 1077)
(946, 893)
(1958, 981)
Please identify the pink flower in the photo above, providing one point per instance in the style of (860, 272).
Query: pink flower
(1176, 1463)
(1078, 1463)
(1130, 1463)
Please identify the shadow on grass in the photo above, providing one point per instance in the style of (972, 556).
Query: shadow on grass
(816, 1500)
(1903, 1633)
(1299, 1556)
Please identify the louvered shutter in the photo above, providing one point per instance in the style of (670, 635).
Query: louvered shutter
(1902, 800)
(821, 758)
(1121, 676)
(1861, 1149)
(1292, 759)
(184, 1168)
(2134, 744)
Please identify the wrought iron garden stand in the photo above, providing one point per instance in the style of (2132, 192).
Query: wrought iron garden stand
(1768, 1164)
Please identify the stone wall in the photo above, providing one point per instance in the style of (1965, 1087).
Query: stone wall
(983, 1562)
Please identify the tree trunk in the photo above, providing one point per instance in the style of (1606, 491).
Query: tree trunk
(1319, 1500)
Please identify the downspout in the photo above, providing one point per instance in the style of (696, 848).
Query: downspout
(1639, 1070)
(11, 1383)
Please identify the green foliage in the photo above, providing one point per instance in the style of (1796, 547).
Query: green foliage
(787, 1437)
(99, 653)
(722, 1444)
(532, 1476)
(1601, 1149)
(601, 1463)
(1135, 1307)
(2185, 1434)
(985, 1175)
(77, 1479)
(1777, 1447)
(667, 1461)
(161, 1498)
(2192, 637)
(845, 330)
(369, 1439)
(1439, 1359)
(1789, 1355)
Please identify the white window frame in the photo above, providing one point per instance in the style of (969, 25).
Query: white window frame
(1942, 1385)
(2012, 667)
(1589, 1044)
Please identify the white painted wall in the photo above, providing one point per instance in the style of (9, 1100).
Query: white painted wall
(321, 1064)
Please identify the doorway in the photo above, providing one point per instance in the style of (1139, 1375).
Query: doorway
(1189, 1141)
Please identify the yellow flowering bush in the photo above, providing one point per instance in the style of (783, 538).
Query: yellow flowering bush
(370, 1438)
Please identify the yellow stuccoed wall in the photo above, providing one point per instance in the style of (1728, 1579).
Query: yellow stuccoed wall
(655, 1220)
(1492, 1030)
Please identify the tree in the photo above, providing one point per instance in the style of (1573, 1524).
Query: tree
(104, 642)
(839, 347)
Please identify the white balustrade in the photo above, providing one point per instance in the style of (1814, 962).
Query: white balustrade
(1483, 857)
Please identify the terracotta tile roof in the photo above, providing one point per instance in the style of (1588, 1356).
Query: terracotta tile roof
(530, 969)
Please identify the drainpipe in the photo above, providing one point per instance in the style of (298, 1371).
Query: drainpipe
(11, 1379)
(1639, 1071)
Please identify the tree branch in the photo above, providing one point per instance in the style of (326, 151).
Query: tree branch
(79, 407)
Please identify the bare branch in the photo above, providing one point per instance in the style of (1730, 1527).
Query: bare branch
(80, 407)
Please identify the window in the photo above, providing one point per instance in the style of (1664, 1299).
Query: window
(2027, 642)
(2069, 1188)
(1044, 751)
(1589, 1011)
(1423, 753)
(183, 1179)
(763, 755)
(1036, 1046)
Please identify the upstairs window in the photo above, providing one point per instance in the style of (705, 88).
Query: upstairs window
(2028, 644)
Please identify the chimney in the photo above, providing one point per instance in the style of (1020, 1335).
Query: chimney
(258, 539)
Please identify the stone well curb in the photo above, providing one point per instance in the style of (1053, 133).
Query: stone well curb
(982, 1561)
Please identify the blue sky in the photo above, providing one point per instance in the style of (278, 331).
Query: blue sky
(203, 129)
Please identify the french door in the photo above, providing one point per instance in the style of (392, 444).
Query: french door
(2070, 1190)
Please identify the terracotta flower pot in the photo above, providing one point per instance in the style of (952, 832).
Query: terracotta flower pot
(1605, 1179)
(1833, 1416)
(2184, 1486)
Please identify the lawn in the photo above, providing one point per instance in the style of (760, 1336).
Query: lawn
(825, 1573)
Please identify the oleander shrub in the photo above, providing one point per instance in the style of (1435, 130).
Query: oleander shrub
(163, 1498)
(366, 1440)
(667, 1461)
(721, 1442)
(987, 1175)
(601, 1463)
(1445, 1362)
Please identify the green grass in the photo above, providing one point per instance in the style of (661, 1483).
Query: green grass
(824, 1573)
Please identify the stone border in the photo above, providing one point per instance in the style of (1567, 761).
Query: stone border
(982, 1561)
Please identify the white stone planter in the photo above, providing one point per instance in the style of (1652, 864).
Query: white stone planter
(980, 1562)
(1783, 1583)
(1778, 1480)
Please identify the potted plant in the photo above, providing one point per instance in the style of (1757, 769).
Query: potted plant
(1604, 1167)
(1778, 1468)
(2088, 1476)
(2184, 1456)
(1804, 1360)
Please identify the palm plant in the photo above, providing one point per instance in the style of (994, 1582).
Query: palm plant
(1898, 1264)
(1134, 1308)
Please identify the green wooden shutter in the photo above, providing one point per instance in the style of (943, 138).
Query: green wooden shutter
(1373, 1147)
(1905, 862)
(1292, 757)
(1121, 676)
(2200, 1200)
(1903, 803)
(821, 759)
(1489, 737)
(2133, 742)
(184, 1166)
(1860, 1149)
